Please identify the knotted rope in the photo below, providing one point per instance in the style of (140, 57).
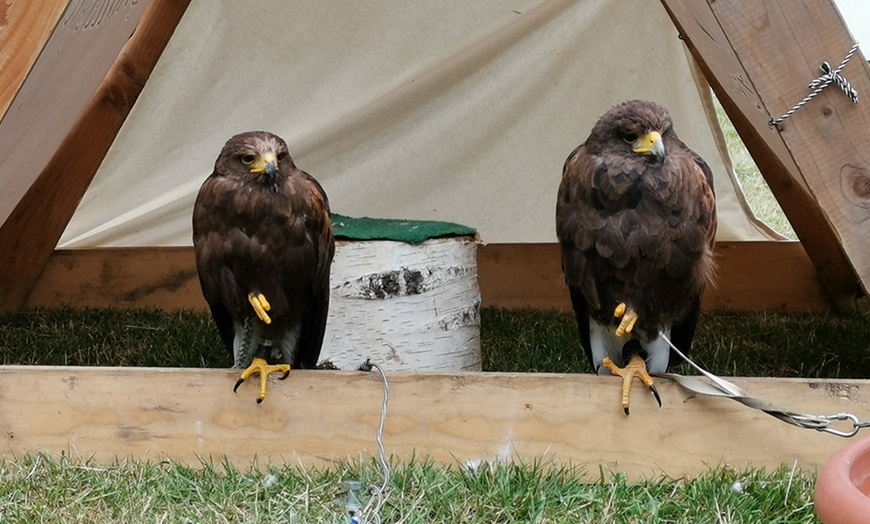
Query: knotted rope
(818, 84)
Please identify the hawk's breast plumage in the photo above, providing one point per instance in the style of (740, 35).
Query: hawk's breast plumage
(636, 220)
(261, 228)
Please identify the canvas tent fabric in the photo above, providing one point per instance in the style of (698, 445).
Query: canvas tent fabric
(435, 110)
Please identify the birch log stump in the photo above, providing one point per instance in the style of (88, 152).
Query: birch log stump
(406, 306)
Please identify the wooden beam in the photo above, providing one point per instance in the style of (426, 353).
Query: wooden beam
(751, 276)
(758, 59)
(31, 232)
(161, 277)
(184, 414)
(25, 26)
(522, 275)
(776, 276)
(828, 138)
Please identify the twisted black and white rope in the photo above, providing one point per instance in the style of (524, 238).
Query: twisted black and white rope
(818, 84)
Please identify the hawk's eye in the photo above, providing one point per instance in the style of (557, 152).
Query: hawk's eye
(629, 137)
(282, 155)
(248, 159)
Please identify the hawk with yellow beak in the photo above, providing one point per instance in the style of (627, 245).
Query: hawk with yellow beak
(635, 219)
(264, 246)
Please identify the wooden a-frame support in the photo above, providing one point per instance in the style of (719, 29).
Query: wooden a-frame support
(757, 57)
(28, 237)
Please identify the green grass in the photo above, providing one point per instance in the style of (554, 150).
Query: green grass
(111, 337)
(757, 192)
(758, 344)
(737, 344)
(761, 344)
(42, 489)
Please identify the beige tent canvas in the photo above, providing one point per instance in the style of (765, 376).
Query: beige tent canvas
(441, 112)
(447, 112)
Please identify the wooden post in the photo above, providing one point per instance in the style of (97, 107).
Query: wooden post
(759, 58)
(30, 234)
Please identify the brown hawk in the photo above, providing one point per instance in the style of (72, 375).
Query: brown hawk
(635, 219)
(264, 246)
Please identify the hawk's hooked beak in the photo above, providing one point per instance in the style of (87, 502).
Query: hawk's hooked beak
(650, 144)
(267, 162)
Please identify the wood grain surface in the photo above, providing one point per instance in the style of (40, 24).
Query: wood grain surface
(759, 58)
(751, 276)
(319, 417)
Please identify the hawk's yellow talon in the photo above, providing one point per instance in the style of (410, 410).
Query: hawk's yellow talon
(636, 367)
(628, 318)
(627, 323)
(619, 311)
(260, 305)
(259, 365)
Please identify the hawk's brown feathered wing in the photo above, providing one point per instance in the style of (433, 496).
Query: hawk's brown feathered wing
(265, 230)
(636, 226)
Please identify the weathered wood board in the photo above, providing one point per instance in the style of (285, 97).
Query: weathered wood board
(319, 417)
(759, 58)
(828, 137)
(751, 276)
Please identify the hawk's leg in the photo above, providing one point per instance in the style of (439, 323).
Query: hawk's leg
(261, 366)
(636, 366)
(246, 348)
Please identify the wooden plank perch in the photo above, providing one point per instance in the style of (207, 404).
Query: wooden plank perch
(318, 417)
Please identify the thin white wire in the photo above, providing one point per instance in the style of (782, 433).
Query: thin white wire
(379, 494)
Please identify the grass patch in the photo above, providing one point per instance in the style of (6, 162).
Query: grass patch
(111, 337)
(33, 488)
(755, 189)
(759, 344)
(39, 488)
